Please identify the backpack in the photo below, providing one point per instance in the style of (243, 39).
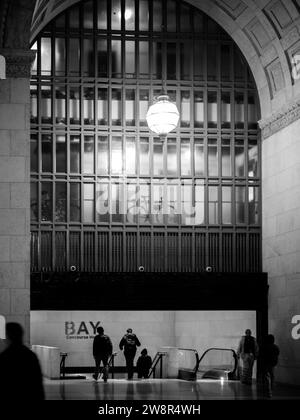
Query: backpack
(130, 342)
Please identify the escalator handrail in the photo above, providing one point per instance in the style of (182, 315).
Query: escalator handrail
(220, 349)
(156, 359)
(197, 357)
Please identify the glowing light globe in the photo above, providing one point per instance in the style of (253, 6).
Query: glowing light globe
(163, 116)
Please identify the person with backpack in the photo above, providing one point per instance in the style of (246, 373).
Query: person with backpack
(129, 343)
(247, 352)
(268, 356)
(102, 350)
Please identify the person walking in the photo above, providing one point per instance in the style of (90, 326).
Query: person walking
(247, 352)
(268, 356)
(19, 363)
(129, 343)
(143, 364)
(102, 350)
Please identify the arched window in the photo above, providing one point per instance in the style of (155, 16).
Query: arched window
(107, 195)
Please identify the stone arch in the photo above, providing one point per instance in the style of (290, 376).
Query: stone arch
(268, 34)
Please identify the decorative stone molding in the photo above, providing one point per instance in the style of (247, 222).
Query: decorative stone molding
(281, 119)
(18, 62)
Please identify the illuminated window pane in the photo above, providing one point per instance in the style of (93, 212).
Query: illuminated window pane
(130, 58)
(172, 166)
(185, 108)
(47, 153)
(103, 155)
(60, 56)
(198, 110)
(34, 65)
(239, 158)
(199, 157)
(102, 14)
(74, 105)
(46, 204)
(60, 202)
(173, 207)
(46, 56)
(226, 205)
(74, 56)
(143, 15)
(212, 110)
(129, 15)
(158, 204)
(144, 58)
(46, 105)
(117, 203)
(102, 107)
(240, 204)
(88, 105)
(213, 167)
(158, 161)
(88, 203)
(226, 110)
(187, 208)
(117, 156)
(253, 159)
(115, 15)
(130, 156)
(144, 205)
(199, 204)
(75, 202)
(102, 58)
(143, 106)
(253, 198)
(130, 107)
(102, 203)
(226, 158)
(186, 158)
(34, 104)
(132, 204)
(60, 105)
(144, 156)
(89, 154)
(61, 154)
(213, 202)
(116, 107)
(75, 154)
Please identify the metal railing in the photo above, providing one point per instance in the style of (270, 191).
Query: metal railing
(157, 359)
(215, 367)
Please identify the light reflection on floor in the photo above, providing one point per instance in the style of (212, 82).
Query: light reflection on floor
(157, 389)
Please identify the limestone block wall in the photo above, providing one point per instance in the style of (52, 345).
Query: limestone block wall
(15, 201)
(281, 242)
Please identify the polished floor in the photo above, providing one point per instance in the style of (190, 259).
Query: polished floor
(158, 389)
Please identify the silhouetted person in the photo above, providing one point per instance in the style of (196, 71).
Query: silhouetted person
(102, 350)
(268, 356)
(129, 343)
(19, 363)
(143, 364)
(247, 352)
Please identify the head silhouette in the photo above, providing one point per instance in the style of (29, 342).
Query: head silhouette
(144, 352)
(248, 333)
(14, 332)
(270, 339)
(129, 330)
(100, 330)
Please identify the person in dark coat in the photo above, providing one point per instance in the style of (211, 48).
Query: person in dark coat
(268, 356)
(102, 350)
(143, 364)
(18, 362)
(129, 343)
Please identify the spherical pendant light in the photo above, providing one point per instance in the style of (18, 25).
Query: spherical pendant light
(163, 116)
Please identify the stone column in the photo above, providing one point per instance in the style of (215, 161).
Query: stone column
(15, 188)
(281, 232)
